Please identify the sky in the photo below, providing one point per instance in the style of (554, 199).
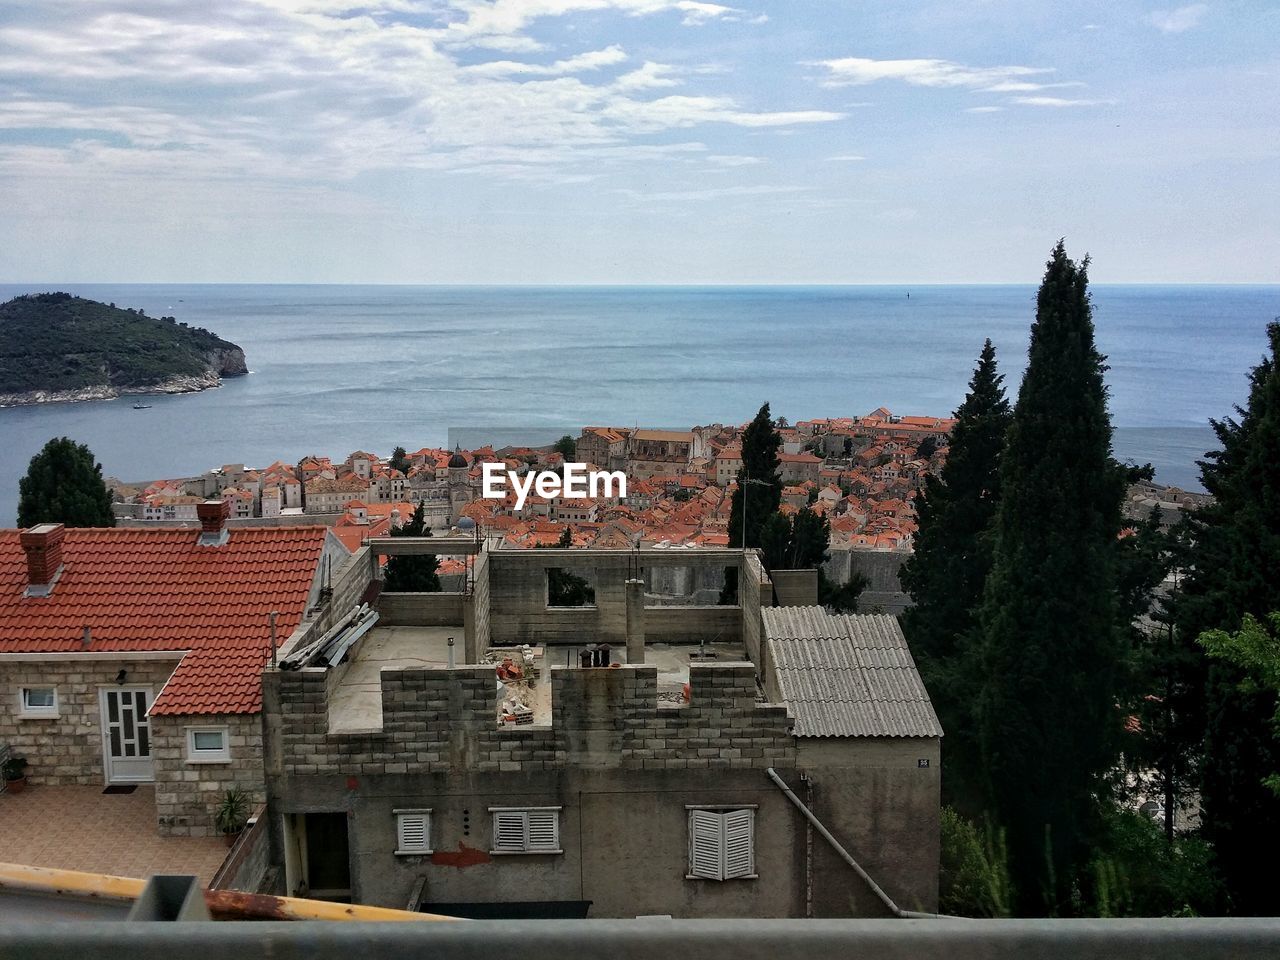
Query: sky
(637, 141)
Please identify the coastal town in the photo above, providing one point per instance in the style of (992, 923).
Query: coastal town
(861, 473)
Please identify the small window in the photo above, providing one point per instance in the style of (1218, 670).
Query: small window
(721, 844)
(413, 832)
(208, 745)
(526, 829)
(37, 702)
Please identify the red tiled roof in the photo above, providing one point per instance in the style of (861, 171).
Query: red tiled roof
(139, 589)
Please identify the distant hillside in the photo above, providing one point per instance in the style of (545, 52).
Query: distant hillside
(54, 346)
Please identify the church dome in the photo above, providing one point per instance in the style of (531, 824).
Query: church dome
(457, 460)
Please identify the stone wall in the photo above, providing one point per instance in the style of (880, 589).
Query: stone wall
(187, 794)
(445, 720)
(68, 749)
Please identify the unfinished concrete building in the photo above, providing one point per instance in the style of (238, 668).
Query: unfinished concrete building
(494, 753)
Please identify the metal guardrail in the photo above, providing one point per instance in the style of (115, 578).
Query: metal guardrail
(1193, 939)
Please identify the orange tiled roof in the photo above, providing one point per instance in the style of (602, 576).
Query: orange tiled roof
(139, 589)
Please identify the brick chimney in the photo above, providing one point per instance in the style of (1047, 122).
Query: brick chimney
(43, 546)
(213, 516)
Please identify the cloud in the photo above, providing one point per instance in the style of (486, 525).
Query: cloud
(733, 160)
(1059, 102)
(983, 109)
(844, 158)
(592, 60)
(856, 71)
(325, 90)
(1025, 86)
(1178, 20)
(714, 193)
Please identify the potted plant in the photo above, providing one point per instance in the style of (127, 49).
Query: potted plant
(232, 814)
(15, 774)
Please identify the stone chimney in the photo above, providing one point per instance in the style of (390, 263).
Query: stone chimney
(43, 546)
(213, 516)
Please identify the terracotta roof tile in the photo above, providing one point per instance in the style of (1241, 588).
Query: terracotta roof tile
(139, 589)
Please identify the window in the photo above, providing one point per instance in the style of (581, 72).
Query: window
(570, 588)
(208, 745)
(526, 829)
(413, 832)
(721, 844)
(38, 702)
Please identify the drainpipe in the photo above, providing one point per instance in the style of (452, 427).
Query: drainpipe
(808, 850)
(844, 854)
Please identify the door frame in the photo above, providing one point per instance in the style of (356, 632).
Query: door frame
(107, 778)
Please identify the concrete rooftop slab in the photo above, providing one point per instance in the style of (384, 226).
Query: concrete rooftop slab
(356, 705)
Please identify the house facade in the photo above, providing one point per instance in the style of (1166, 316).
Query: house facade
(133, 655)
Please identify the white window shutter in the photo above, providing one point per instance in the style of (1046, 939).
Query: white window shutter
(544, 830)
(413, 833)
(509, 830)
(705, 858)
(739, 844)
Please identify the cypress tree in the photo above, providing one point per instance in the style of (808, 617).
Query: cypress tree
(1231, 571)
(946, 573)
(1052, 646)
(760, 443)
(64, 485)
(413, 573)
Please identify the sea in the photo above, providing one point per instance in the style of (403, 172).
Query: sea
(336, 369)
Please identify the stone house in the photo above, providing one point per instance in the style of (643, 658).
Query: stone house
(658, 453)
(132, 655)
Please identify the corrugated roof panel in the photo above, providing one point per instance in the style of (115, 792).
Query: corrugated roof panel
(847, 675)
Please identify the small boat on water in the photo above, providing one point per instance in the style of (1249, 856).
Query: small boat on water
(142, 406)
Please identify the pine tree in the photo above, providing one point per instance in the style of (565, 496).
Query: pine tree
(1052, 645)
(946, 573)
(413, 573)
(1231, 571)
(64, 485)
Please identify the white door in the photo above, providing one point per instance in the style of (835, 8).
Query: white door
(126, 734)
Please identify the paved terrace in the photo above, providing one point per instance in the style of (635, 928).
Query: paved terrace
(356, 705)
(81, 828)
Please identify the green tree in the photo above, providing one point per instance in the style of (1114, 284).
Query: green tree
(1255, 650)
(1053, 646)
(413, 574)
(760, 443)
(64, 485)
(946, 572)
(567, 447)
(1231, 571)
(973, 878)
(399, 460)
(565, 588)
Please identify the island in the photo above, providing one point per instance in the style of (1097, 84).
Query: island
(59, 347)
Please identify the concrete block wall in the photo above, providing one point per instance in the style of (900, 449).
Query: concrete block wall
(68, 749)
(754, 591)
(438, 721)
(187, 794)
(518, 611)
(420, 609)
